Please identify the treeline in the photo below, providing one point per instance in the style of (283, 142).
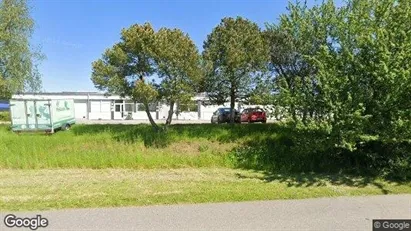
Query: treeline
(342, 71)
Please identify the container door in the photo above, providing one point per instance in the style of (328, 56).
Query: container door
(18, 115)
(43, 114)
(31, 114)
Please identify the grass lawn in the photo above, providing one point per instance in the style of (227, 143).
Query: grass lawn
(70, 188)
(122, 165)
(117, 146)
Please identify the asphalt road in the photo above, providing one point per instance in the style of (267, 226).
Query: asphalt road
(343, 213)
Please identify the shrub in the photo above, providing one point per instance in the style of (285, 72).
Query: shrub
(5, 116)
(314, 150)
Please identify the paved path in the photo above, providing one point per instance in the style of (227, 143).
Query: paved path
(343, 213)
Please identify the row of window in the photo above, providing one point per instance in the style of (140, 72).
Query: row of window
(105, 106)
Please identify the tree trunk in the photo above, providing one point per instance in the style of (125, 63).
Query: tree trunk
(145, 103)
(232, 102)
(170, 113)
(150, 118)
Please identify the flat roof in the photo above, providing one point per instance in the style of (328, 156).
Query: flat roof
(63, 93)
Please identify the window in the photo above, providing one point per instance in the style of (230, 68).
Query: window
(118, 108)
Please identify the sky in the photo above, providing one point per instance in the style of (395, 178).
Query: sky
(74, 33)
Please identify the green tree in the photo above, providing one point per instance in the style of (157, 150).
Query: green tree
(291, 42)
(142, 52)
(124, 67)
(358, 58)
(365, 74)
(18, 59)
(233, 54)
(178, 65)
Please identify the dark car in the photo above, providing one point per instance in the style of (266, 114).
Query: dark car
(251, 115)
(222, 115)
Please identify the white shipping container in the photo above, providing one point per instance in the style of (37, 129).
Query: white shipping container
(41, 115)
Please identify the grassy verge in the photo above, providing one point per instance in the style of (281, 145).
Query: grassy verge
(114, 146)
(75, 188)
(4, 116)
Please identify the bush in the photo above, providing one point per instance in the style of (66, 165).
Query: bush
(5, 116)
(313, 150)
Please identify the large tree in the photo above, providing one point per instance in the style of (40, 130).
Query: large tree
(296, 37)
(18, 59)
(123, 69)
(178, 65)
(233, 55)
(358, 56)
(141, 53)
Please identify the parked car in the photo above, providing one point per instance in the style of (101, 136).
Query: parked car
(222, 115)
(252, 115)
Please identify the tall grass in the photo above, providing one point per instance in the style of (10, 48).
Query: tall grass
(5, 116)
(116, 146)
(269, 147)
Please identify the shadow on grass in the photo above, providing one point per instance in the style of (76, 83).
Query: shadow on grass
(276, 147)
(319, 180)
(222, 133)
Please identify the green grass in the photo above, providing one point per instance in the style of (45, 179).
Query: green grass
(4, 116)
(77, 188)
(124, 165)
(114, 146)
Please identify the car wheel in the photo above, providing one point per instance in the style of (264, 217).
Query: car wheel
(264, 121)
(66, 127)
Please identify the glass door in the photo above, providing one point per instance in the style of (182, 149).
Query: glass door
(118, 111)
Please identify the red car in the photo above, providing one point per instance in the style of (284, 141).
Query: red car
(252, 115)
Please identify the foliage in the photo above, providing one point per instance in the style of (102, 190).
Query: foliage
(142, 52)
(123, 68)
(277, 147)
(305, 148)
(178, 64)
(5, 116)
(346, 67)
(126, 62)
(233, 55)
(143, 92)
(18, 59)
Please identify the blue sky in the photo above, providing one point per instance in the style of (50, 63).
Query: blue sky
(74, 33)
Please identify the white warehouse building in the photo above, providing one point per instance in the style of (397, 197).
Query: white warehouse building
(98, 106)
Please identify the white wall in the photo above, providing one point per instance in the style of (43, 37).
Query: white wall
(163, 111)
(142, 115)
(188, 115)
